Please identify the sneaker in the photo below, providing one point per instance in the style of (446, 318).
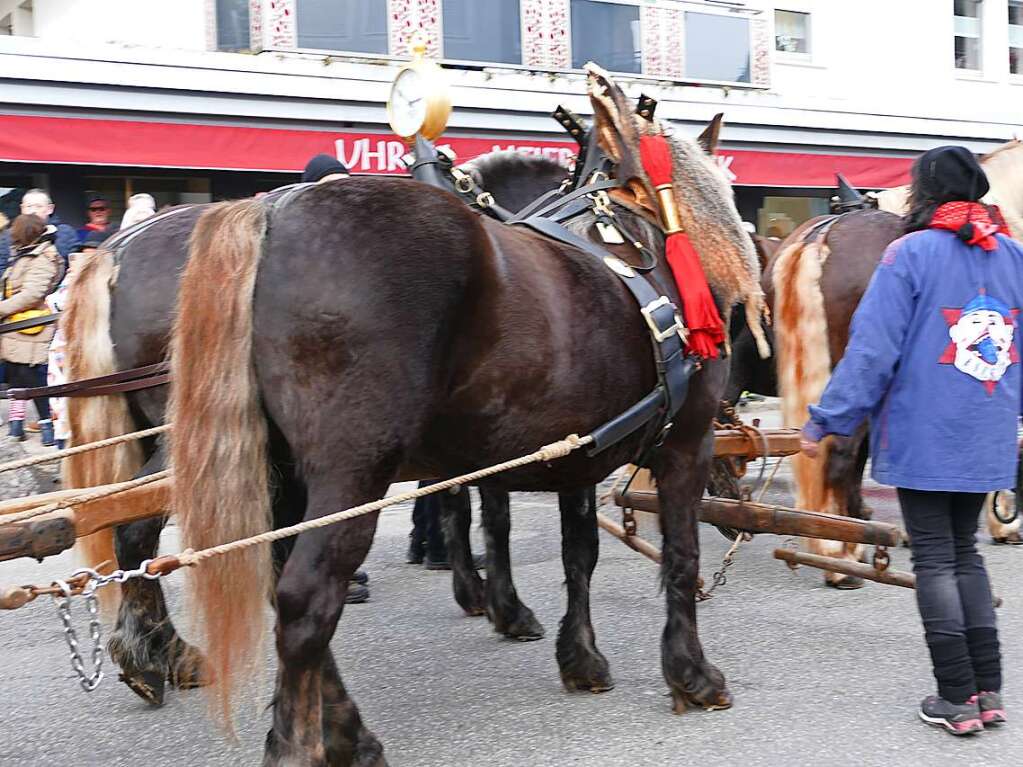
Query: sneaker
(961, 719)
(361, 577)
(357, 594)
(992, 711)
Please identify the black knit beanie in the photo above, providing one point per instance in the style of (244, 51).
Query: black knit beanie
(949, 174)
(322, 165)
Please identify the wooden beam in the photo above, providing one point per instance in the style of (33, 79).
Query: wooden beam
(56, 531)
(778, 520)
(847, 567)
(736, 443)
(634, 542)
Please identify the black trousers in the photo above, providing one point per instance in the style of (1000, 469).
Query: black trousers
(427, 530)
(29, 377)
(953, 591)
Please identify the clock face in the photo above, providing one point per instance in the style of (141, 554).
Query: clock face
(408, 104)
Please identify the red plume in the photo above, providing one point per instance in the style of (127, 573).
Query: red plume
(706, 330)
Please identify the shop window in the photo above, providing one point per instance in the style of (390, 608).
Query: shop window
(607, 34)
(357, 26)
(717, 48)
(233, 25)
(792, 32)
(967, 34)
(778, 216)
(482, 30)
(1016, 37)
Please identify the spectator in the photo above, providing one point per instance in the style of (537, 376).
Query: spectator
(99, 218)
(140, 207)
(322, 168)
(37, 202)
(35, 269)
(55, 373)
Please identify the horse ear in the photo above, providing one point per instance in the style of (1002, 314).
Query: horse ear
(709, 138)
(613, 118)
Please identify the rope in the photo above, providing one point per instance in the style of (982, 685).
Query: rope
(550, 452)
(21, 516)
(61, 454)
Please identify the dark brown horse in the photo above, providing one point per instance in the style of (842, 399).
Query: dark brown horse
(430, 342)
(119, 318)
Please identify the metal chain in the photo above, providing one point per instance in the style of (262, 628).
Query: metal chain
(720, 578)
(94, 581)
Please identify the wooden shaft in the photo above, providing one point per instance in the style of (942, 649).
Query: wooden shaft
(847, 567)
(732, 442)
(634, 542)
(779, 520)
(52, 533)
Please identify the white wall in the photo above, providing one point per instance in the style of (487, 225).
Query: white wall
(146, 23)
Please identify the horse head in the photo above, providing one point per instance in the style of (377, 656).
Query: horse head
(702, 194)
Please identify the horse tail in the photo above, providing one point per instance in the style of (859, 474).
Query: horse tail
(804, 359)
(85, 325)
(219, 441)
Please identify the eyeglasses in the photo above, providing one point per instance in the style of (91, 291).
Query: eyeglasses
(98, 208)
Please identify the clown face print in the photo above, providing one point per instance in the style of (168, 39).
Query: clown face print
(982, 339)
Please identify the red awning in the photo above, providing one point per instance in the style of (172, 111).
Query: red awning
(133, 143)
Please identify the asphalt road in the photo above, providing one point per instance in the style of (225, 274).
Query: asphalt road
(820, 677)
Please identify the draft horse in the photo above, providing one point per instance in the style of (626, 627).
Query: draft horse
(120, 317)
(431, 342)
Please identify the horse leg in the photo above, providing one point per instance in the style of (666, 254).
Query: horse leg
(144, 643)
(456, 517)
(844, 479)
(309, 715)
(680, 469)
(1001, 532)
(504, 608)
(345, 739)
(582, 665)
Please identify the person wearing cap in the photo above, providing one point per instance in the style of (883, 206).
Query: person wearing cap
(99, 218)
(34, 270)
(933, 362)
(323, 168)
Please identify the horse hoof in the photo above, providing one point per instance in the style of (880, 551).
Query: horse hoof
(475, 612)
(526, 629)
(1012, 539)
(188, 668)
(719, 702)
(845, 583)
(596, 680)
(148, 685)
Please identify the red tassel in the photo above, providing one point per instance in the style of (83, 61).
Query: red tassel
(706, 330)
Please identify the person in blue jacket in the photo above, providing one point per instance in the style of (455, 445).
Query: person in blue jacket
(933, 361)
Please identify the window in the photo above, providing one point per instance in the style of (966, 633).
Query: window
(606, 34)
(967, 34)
(1016, 37)
(792, 32)
(233, 25)
(358, 26)
(717, 48)
(482, 30)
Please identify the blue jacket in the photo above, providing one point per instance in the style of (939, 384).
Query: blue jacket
(933, 360)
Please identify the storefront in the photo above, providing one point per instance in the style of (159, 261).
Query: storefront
(181, 162)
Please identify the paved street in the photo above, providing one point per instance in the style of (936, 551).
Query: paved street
(819, 677)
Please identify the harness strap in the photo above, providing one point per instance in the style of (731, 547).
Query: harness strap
(113, 383)
(674, 368)
(579, 195)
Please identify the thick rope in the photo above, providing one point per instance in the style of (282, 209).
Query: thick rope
(550, 452)
(67, 503)
(22, 463)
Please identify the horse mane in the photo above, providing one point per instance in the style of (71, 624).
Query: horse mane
(513, 178)
(1004, 169)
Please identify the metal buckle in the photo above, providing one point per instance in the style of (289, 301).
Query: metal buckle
(658, 334)
(463, 181)
(602, 203)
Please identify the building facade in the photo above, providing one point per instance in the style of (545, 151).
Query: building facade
(207, 99)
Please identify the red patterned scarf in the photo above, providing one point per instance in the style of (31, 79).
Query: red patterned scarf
(975, 224)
